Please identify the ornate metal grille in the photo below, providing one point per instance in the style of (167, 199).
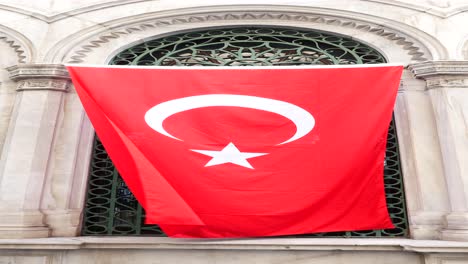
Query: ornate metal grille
(111, 209)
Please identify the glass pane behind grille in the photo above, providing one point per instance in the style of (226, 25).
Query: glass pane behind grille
(111, 209)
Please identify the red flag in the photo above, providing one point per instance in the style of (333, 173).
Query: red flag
(245, 152)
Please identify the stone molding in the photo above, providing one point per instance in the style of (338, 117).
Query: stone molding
(22, 51)
(43, 15)
(50, 17)
(39, 84)
(436, 10)
(433, 68)
(53, 77)
(29, 218)
(15, 46)
(442, 74)
(452, 82)
(416, 50)
(273, 244)
(438, 258)
(29, 71)
(63, 223)
(28, 223)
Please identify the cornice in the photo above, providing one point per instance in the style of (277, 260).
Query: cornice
(442, 74)
(114, 30)
(40, 77)
(430, 69)
(28, 71)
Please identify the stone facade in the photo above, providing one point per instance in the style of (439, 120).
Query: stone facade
(46, 138)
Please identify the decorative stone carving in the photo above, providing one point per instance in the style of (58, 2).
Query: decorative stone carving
(19, 43)
(436, 68)
(448, 82)
(406, 42)
(40, 77)
(39, 84)
(442, 74)
(17, 48)
(28, 71)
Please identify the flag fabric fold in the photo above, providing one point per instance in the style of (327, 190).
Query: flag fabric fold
(247, 152)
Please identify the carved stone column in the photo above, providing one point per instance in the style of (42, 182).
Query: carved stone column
(25, 158)
(447, 84)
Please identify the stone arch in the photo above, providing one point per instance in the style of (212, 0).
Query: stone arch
(18, 43)
(401, 43)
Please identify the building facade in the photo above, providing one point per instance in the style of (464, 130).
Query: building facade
(47, 142)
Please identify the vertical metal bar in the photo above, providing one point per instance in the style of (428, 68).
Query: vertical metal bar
(139, 219)
(110, 223)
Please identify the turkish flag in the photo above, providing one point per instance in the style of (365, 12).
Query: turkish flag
(246, 152)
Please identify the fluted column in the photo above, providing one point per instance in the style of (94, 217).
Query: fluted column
(25, 160)
(447, 84)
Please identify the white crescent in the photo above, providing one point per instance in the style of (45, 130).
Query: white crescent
(303, 120)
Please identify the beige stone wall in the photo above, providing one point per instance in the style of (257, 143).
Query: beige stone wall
(46, 139)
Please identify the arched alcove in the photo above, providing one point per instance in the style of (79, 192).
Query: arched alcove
(393, 41)
(111, 209)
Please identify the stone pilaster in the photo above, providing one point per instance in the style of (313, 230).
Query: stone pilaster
(447, 84)
(420, 156)
(425, 188)
(24, 164)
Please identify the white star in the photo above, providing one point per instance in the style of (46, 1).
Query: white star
(229, 154)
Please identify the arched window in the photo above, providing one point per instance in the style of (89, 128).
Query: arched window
(111, 209)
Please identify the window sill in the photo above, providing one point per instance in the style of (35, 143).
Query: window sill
(268, 244)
